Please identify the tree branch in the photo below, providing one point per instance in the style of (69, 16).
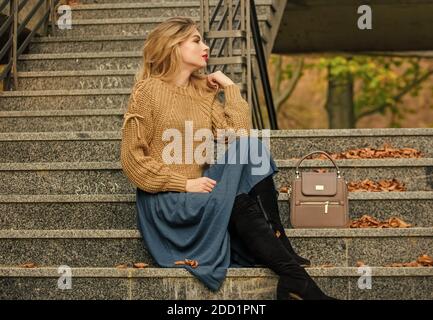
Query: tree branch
(397, 97)
(278, 75)
(292, 84)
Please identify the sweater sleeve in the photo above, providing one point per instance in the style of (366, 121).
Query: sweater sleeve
(142, 170)
(235, 114)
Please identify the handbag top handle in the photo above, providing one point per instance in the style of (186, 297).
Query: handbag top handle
(322, 152)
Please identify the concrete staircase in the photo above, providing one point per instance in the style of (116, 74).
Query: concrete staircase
(65, 201)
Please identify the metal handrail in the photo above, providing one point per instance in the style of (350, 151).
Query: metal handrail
(239, 24)
(261, 60)
(15, 6)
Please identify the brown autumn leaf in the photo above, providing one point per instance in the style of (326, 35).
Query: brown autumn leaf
(387, 151)
(28, 265)
(284, 190)
(140, 265)
(367, 221)
(383, 185)
(412, 264)
(395, 222)
(192, 263)
(122, 266)
(395, 265)
(422, 261)
(360, 263)
(425, 260)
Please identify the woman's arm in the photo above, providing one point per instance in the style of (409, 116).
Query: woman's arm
(236, 113)
(143, 170)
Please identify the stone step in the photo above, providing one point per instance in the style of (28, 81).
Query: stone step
(79, 177)
(34, 100)
(109, 248)
(132, 26)
(284, 144)
(140, 9)
(107, 43)
(62, 120)
(293, 143)
(76, 80)
(179, 284)
(118, 211)
(99, 61)
(84, 79)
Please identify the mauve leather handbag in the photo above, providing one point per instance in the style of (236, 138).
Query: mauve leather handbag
(319, 200)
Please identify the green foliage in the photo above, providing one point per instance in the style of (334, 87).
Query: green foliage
(381, 81)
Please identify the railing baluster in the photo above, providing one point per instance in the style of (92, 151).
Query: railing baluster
(15, 43)
(10, 72)
(237, 16)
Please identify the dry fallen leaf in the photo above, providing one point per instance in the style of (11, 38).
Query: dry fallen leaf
(369, 222)
(422, 261)
(395, 222)
(192, 263)
(372, 186)
(140, 265)
(122, 266)
(360, 264)
(425, 260)
(387, 151)
(284, 189)
(28, 265)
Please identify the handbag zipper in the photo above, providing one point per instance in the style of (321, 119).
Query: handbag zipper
(326, 203)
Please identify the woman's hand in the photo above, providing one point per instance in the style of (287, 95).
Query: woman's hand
(202, 184)
(218, 78)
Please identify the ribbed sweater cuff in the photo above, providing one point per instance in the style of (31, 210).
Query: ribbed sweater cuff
(177, 183)
(232, 93)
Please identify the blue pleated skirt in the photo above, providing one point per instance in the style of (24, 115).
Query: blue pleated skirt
(194, 225)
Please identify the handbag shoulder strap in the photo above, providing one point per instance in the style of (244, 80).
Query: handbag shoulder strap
(322, 152)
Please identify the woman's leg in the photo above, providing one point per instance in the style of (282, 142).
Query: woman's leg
(253, 230)
(266, 194)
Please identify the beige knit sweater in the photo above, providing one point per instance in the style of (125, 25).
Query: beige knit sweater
(155, 105)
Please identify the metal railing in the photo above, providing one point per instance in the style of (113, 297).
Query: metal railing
(232, 21)
(15, 28)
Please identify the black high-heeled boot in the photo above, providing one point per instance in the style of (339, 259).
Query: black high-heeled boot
(252, 229)
(309, 290)
(267, 196)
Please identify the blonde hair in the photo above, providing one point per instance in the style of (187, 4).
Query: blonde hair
(161, 53)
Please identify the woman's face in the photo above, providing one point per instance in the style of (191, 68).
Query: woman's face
(194, 51)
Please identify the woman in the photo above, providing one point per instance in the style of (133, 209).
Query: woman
(192, 215)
